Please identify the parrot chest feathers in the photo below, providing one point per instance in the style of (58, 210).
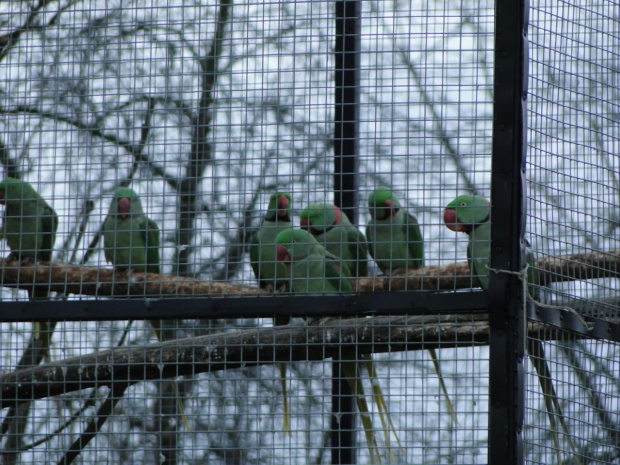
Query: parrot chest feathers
(479, 253)
(263, 256)
(124, 244)
(26, 233)
(312, 276)
(391, 244)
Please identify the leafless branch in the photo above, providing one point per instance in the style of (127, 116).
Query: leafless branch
(231, 350)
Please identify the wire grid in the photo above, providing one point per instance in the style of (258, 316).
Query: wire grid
(573, 211)
(573, 145)
(585, 377)
(205, 112)
(237, 414)
(100, 100)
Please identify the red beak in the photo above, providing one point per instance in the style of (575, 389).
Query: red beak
(282, 254)
(124, 205)
(303, 223)
(390, 206)
(282, 205)
(449, 217)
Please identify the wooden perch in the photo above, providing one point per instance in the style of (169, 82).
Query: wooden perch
(104, 282)
(238, 349)
(594, 265)
(243, 348)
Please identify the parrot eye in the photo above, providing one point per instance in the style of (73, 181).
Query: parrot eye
(463, 204)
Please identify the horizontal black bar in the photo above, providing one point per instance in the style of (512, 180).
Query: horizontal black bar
(397, 303)
(569, 321)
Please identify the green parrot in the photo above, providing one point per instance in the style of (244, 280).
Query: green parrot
(316, 271)
(268, 271)
(271, 274)
(395, 242)
(131, 239)
(29, 228)
(471, 214)
(313, 269)
(30, 224)
(394, 236)
(332, 228)
(131, 243)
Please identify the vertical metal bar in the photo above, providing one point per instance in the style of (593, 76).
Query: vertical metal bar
(506, 311)
(347, 92)
(346, 149)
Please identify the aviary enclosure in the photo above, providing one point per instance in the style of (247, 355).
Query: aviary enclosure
(179, 280)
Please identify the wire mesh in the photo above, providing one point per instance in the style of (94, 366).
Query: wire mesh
(197, 115)
(573, 146)
(573, 197)
(584, 374)
(152, 150)
(236, 414)
(204, 118)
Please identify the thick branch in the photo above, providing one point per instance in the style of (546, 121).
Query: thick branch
(60, 277)
(71, 279)
(594, 265)
(239, 349)
(202, 149)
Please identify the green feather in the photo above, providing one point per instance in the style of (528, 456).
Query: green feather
(394, 236)
(131, 239)
(317, 271)
(312, 268)
(471, 214)
(341, 238)
(30, 223)
(151, 240)
(269, 273)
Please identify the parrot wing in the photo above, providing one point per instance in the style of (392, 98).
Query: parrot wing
(49, 223)
(334, 275)
(358, 248)
(371, 238)
(150, 235)
(414, 238)
(255, 255)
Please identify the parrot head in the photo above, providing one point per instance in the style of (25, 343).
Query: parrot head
(319, 218)
(465, 212)
(294, 244)
(126, 203)
(12, 190)
(279, 207)
(382, 204)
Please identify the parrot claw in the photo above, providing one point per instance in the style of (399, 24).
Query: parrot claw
(399, 272)
(321, 321)
(27, 261)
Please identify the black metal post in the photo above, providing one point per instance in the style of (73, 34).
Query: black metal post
(506, 311)
(346, 131)
(346, 149)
